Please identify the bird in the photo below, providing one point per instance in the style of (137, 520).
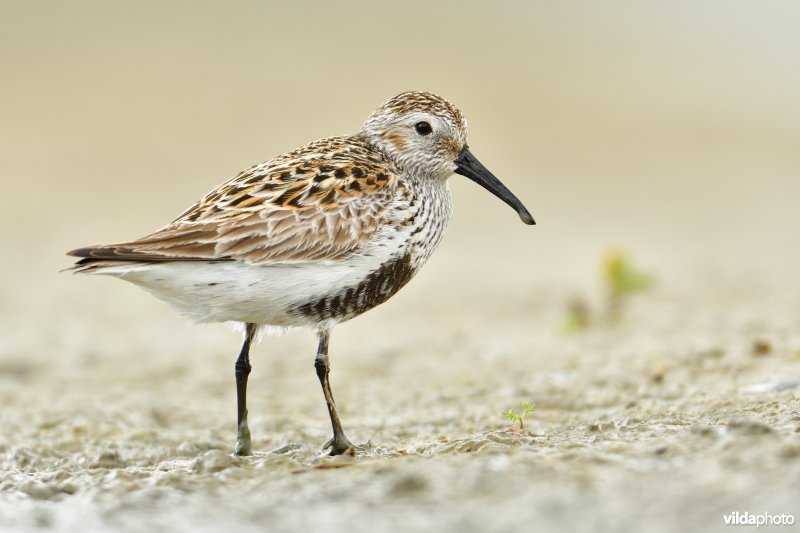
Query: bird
(310, 238)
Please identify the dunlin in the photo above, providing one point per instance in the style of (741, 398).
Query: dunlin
(310, 238)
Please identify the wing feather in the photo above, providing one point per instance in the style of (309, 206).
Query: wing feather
(320, 202)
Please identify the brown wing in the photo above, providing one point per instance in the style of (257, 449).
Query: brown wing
(320, 202)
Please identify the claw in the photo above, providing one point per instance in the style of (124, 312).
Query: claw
(243, 447)
(340, 445)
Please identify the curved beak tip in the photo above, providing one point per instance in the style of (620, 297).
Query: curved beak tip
(467, 165)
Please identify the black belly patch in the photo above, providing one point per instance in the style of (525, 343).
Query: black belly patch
(376, 288)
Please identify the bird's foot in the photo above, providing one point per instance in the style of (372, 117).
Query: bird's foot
(244, 445)
(340, 445)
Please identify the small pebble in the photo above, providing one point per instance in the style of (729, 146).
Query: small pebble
(761, 347)
(409, 484)
(748, 426)
(108, 459)
(774, 386)
(213, 461)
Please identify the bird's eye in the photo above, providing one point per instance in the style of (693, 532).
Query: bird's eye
(423, 128)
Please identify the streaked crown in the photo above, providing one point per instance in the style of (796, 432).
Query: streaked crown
(422, 133)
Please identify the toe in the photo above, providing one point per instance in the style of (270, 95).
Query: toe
(340, 446)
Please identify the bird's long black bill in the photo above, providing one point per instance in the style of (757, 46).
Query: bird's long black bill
(467, 165)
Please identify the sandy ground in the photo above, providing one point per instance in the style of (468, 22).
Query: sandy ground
(121, 417)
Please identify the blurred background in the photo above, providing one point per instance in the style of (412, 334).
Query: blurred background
(670, 130)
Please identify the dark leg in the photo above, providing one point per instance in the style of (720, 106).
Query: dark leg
(339, 443)
(242, 370)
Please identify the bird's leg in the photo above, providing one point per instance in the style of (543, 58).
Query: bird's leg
(339, 444)
(242, 370)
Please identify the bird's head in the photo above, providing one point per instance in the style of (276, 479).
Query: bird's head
(426, 136)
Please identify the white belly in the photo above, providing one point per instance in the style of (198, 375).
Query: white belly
(234, 291)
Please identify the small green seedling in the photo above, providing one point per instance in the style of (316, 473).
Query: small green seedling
(578, 316)
(520, 418)
(622, 279)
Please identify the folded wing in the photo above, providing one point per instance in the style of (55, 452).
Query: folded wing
(320, 202)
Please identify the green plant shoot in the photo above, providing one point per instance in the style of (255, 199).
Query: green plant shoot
(622, 279)
(512, 415)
